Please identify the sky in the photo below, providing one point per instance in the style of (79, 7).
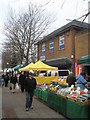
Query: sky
(63, 10)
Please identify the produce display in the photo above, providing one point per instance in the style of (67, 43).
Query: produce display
(60, 87)
(59, 81)
(70, 92)
(71, 102)
(42, 86)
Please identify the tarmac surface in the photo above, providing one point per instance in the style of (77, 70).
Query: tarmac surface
(13, 106)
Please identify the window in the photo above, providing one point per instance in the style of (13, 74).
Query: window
(43, 49)
(51, 45)
(61, 42)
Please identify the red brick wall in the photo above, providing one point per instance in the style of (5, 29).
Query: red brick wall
(81, 44)
(66, 52)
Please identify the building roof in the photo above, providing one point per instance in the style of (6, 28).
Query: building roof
(74, 24)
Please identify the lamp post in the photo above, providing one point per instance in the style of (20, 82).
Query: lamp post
(7, 64)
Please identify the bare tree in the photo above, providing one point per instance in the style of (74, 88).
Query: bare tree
(24, 30)
(9, 55)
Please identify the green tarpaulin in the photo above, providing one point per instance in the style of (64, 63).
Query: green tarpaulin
(17, 67)
(85, 60)
(68, 108)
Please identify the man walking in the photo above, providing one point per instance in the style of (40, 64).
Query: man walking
(30, 85)
(21, 81)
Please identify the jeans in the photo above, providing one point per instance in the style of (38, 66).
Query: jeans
(29, 98)
(22, 88)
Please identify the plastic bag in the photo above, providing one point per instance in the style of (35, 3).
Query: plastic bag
(17, 86)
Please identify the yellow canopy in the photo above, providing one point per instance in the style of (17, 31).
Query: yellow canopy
(27, 68)
(40, 66)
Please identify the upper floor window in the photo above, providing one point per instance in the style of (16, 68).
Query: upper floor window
(51, 45)
(43, 49)
(61, 42)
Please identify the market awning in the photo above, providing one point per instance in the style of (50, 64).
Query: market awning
(85, 60)
(17, 67)
(9, 69)
(61, 63)
(27, 68)
(40, 66)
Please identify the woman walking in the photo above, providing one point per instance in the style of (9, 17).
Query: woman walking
(13, 81)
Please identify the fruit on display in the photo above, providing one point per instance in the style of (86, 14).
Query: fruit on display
(62, 81)
(74, 93)
(53, 87)
(59, 81)
(84, 97)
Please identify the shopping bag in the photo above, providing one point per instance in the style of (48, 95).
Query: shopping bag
(17, 86)
(9, 83)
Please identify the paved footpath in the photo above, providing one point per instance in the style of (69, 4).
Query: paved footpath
(0, 103)
(0, 100)
(13, 106)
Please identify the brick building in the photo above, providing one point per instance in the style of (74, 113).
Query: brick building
(65, 45)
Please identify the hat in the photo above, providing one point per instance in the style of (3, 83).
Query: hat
(31, 72)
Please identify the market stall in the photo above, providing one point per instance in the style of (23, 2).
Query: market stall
(16, 68)
(45, 79)
(84, 64)
(71, 102)
(27, 68)
(40, 66)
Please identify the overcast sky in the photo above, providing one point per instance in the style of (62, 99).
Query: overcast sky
(63, 9)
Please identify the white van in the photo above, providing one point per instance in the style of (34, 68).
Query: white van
(63, 74)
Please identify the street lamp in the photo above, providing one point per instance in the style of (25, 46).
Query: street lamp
(7, 63)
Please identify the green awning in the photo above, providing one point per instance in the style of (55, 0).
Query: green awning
(17, 67)
(85, 60)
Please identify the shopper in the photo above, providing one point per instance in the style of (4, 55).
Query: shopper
(71, 79)
(21, 80)
(6, 79)
(81, 81)
(30, 85)
(3, 76)
(13, 81)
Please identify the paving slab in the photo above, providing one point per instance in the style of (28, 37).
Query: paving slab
(0, 102)
(14, 106)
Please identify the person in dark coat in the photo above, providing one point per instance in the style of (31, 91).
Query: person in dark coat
(6, 79)
(30, 85)
(21, 81)
(3, 76)
(71, 79)
(13, 81)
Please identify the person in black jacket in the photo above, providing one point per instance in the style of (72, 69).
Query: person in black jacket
(30, 85)
(21, 81)
(13, 81)
(6, 79)
(3, 76)
(71, 79)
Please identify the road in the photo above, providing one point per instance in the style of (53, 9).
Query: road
(13, 106)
